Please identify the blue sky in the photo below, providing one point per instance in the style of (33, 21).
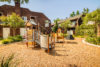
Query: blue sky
(59, 8)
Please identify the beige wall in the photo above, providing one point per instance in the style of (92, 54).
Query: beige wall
(22, 31)
(6, 32)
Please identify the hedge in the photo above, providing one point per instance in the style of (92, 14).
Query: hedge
(11, 39)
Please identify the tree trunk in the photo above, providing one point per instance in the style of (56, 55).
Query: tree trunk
(14, 31)
(98, 30)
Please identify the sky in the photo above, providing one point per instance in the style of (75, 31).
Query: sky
(59, 8)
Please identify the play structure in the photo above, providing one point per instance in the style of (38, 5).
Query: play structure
(60, 35)
(36, 37)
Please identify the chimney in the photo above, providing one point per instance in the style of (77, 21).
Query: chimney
(17, 8)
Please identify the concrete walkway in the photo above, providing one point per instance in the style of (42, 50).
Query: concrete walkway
(72, 53)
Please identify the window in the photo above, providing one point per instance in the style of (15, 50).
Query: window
(32, 17)
(24, 18)
(47, 23)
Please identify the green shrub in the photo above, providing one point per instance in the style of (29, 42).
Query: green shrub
(63, 34)
(11, 39)
(93, 40)
(16, 38)
(78, 36)
(6, 41)
(85, 30)
(1, 38)
(98, 40)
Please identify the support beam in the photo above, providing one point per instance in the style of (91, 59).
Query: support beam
(48, 44)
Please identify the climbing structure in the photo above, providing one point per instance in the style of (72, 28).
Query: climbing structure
(60, 35)
(36, 37)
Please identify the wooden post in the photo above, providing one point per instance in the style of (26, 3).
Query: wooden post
(34, 37)
(54, 39)
(63, 36)
(57, 35)
(51, 39)
(26, 35)
(48, 44)
(38, 31)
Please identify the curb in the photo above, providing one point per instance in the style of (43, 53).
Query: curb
(89, 43)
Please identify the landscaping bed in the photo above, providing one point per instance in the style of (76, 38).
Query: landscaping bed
(11, 39)
(93, 40)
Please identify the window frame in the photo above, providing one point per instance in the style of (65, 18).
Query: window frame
(24, 18)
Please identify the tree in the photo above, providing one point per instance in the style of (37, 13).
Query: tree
(77, 13)
(55, 27)
(72, 14)
(14, 21)
(56, 20)
(65, 25)
(20, 1)
(93, 16)
(85, 11)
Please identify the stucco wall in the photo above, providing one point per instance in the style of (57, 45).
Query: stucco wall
(6, 32)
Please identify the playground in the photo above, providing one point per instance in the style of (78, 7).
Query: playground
(71, 53)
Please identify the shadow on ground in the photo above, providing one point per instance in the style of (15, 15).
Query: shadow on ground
(68, 42)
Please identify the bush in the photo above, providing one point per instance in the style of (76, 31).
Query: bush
(93, 40)
(16, 38)
(11, 39)
(63, 34)
(6, 41)
(1, 38)
(85, 30)
(98, 40)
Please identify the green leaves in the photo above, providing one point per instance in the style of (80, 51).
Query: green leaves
(85, 11)
(72, 14)
(14, 21)
(66, 24)
(6, 63)
(93, 16)
(85, 30)
(55, 27)
(56, 20)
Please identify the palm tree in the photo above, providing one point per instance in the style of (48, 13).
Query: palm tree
(19, 1)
